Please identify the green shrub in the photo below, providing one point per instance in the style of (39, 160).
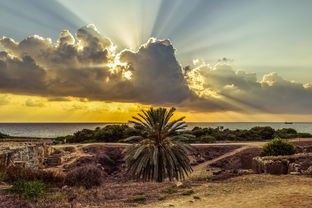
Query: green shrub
(3, 135)
(278, 147)
(170, 190)
(57, 196)
(304, 135)
(207, 139)
(119, 132)
(139, 199)
(262, 133)
(29, 189)
(3, 175)
(64, 139)
(286, 133)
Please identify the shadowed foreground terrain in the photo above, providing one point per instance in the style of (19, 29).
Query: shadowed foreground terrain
(222, 178)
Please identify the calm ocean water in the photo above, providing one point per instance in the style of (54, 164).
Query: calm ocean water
(51, 130)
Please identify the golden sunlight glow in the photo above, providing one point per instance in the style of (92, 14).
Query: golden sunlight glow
(196, 82)
(127, 75)
(116, 65)
(22, 108)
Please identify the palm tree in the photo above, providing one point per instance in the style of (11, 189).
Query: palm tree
(158, 154)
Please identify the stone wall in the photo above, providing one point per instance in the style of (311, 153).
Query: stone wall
(293, 164)
(29, 155)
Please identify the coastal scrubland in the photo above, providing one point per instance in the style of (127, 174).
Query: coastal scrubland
(118, 133)
(225, 179)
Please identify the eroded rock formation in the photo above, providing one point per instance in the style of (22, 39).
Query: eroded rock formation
(24, 154)
(293, 164)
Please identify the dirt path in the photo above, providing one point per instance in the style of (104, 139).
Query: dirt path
(204, 165)
(248, 143)
(201, 169)
(256, 191)
(79, 145)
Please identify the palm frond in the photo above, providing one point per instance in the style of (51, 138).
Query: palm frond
(159, 155)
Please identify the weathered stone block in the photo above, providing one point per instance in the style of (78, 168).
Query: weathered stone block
(297, 163)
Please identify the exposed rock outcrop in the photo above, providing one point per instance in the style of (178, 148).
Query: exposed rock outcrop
(292, 164)
(24, 154)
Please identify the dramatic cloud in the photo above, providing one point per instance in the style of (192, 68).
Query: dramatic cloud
(157, 75)
(86, 66)
(20, 75)
(90, 48)
(243, 92)
(89, 67)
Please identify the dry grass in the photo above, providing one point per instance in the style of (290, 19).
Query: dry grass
(108, 195)
(255, 191)
(247, 191)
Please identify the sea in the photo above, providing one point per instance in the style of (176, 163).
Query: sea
(52, 130)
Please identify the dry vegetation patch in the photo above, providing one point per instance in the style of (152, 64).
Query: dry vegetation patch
(255, 191)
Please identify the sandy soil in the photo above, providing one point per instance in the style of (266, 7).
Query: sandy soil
(256, 191)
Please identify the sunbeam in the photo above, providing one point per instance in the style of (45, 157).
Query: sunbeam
(250, 55)
(51, 17)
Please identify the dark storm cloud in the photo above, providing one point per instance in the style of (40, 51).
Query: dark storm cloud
(20, 75)
(86, 66)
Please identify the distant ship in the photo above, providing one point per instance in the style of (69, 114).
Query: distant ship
(286, 122)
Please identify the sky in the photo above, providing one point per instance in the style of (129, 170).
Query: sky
(105, 60)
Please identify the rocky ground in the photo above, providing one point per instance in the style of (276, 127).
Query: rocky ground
(221, 178)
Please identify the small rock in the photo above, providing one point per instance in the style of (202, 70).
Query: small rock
(295, 173)
(196, 197)
(178, 184)
(308, 171)
(64, 187)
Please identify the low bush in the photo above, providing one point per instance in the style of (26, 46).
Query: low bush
(109, 133)
(170, 190)
(304, 135)
(278, 146)
(138, 199)
(87, 176)
(3, 135)
(3, 175)
(13, 173)
(29, 189)
(57, 196)
(18, 173)
(118, 133)
(286, 133)
(207, 139)
(188, 192)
